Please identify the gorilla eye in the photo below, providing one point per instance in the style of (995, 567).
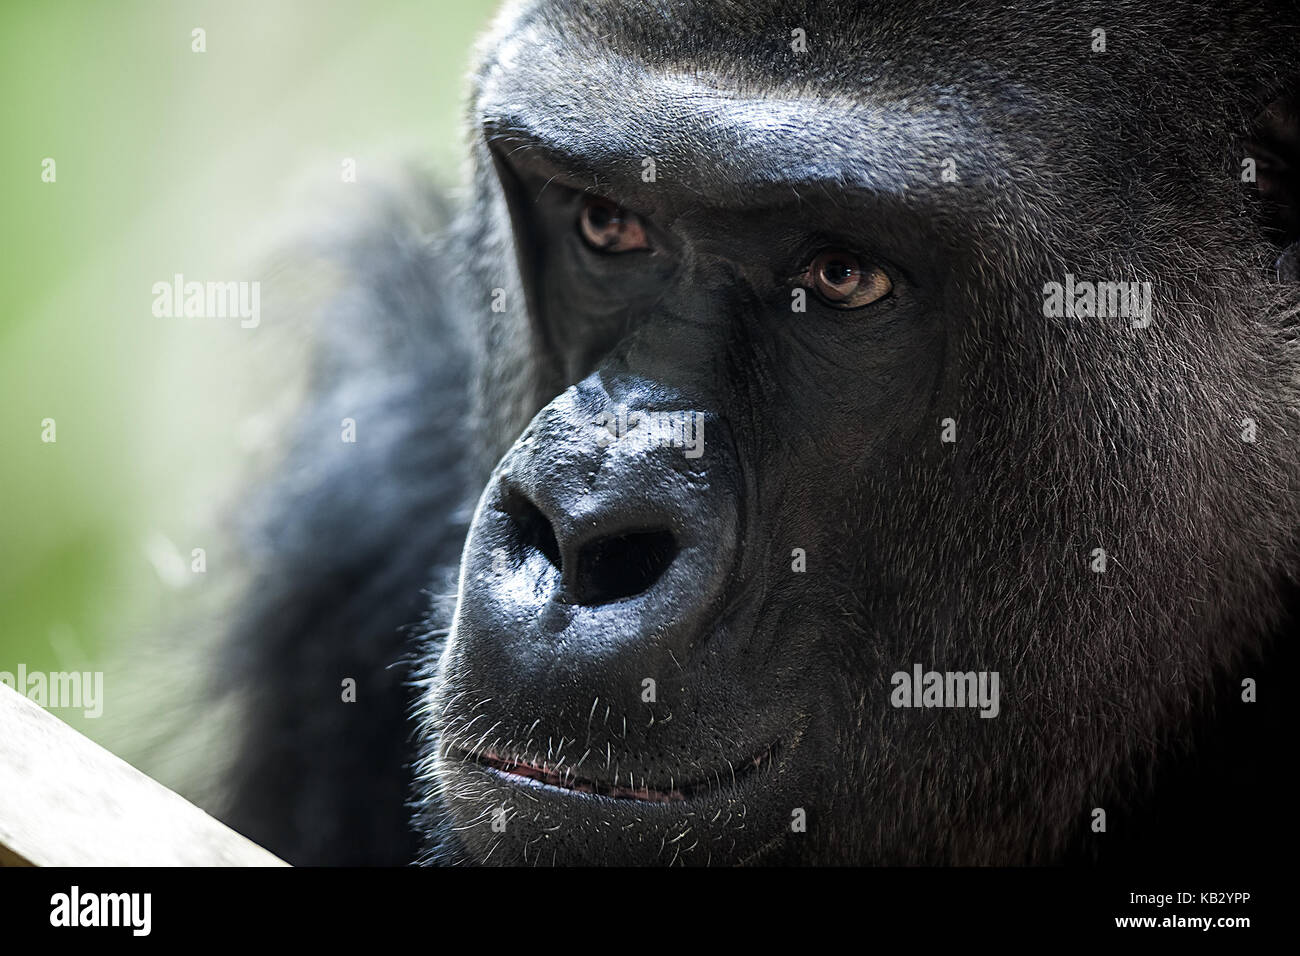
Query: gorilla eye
(608, 227)
(841, 281)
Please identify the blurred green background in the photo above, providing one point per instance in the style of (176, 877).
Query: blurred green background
(167, 161)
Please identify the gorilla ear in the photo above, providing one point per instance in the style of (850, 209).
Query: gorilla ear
(1275, 145)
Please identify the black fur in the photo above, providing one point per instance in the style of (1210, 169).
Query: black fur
(348, 543)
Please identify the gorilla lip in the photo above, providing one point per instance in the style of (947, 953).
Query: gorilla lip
(537, 775)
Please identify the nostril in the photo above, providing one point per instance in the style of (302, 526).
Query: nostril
(532, 528)
(622, 566)
(602, 571)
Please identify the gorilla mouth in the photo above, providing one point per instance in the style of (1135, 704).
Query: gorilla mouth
(537, 775)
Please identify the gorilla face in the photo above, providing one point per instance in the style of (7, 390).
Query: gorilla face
(749, 318)
(627, 595)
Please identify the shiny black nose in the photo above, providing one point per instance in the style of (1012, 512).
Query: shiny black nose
(619, 541)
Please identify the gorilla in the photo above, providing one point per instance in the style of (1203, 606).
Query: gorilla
(824, 433)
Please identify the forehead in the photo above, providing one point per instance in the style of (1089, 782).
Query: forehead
(721, 113)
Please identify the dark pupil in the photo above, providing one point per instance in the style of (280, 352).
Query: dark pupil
(837, 273)
(600, 217)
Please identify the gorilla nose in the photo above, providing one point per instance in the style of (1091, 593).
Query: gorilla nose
(620, 543)
(596, 567)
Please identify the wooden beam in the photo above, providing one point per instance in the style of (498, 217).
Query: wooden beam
(66, 801)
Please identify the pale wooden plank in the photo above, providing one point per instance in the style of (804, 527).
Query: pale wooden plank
(66, 801)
